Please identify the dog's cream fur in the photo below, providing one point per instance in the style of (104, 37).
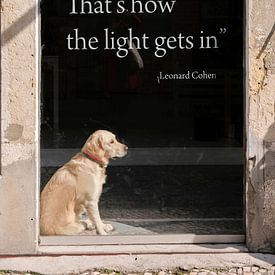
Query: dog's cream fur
(76, 188)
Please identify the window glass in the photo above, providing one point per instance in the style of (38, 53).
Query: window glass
(178, 107)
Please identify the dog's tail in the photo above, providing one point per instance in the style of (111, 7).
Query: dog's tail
(69, 229)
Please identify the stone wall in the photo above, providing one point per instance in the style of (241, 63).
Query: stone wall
(19, 131)
(261, 126)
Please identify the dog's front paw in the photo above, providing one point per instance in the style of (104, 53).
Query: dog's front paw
(89, 225)
(101, 232)
(108, 227)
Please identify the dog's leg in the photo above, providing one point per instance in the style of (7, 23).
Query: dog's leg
(94, 215)
(82, 216)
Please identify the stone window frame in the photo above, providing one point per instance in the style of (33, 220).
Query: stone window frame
(20, 151)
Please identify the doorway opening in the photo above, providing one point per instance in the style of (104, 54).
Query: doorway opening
(181, 115)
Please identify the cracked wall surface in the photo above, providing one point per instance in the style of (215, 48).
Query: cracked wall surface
(261, 132)
(19, 97)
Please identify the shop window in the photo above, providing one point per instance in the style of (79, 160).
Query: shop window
(181, 114)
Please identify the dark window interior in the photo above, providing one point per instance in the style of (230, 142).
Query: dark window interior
(83, 90)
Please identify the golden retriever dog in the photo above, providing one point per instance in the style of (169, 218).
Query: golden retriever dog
(76, 188)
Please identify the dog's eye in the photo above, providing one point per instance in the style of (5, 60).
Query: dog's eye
(112, 141)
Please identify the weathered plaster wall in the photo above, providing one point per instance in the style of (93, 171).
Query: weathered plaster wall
(261, 122)
(18, 209)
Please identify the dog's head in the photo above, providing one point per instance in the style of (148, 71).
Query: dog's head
(104, 145)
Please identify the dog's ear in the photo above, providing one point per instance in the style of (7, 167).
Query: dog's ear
(95, 145)
(100, 141)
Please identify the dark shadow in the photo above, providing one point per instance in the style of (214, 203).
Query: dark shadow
(19, 25)
(266, 41)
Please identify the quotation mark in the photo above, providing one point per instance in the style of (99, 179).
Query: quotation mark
(223, 30)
